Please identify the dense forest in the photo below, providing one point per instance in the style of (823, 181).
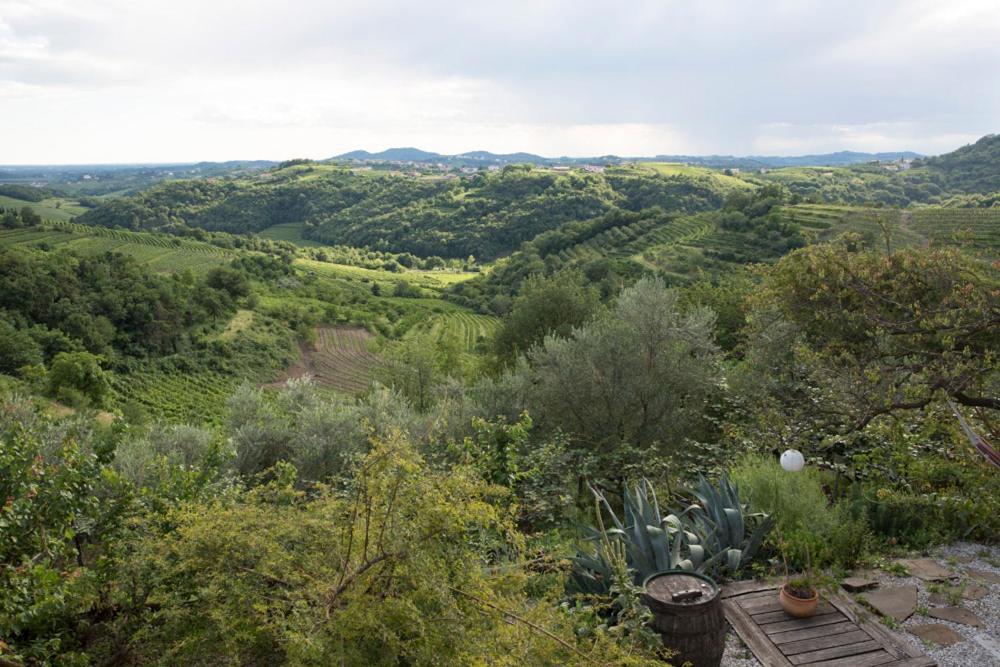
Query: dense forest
(282, 417)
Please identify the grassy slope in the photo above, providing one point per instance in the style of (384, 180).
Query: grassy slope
(433, 280)
(291, 232)
(677, 169)
(54, 208)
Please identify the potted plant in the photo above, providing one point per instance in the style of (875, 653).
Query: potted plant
(799, 597)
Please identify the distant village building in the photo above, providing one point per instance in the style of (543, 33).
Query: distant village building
(901, 164)
(560, 167)
(597, 169)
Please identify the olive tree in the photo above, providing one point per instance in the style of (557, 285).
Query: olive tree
(639, 375)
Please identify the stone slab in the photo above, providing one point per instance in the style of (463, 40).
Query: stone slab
(858, 584)
(956, 615)
(937, 633)
(899, 602)
(983, 575)
(975, 592)
(927, 569)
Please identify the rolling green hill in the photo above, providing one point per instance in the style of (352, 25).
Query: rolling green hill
(485, 215)
(971, 169)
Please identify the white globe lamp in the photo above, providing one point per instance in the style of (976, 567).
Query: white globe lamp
(792, 460)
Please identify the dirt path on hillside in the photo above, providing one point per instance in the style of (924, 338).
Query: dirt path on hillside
(904, 226)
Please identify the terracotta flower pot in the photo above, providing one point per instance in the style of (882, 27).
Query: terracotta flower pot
(798, 607)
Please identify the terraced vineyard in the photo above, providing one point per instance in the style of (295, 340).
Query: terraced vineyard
(160, 252)
(339, 359)
(469, 328)
(825, 222)
(975, 227)
(189, 397)
(632, 240)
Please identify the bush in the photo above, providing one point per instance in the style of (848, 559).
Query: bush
(62, 510)
(919, 520)
(17, 349)
(807, 522)
(78, 377)
(386, 572)
(923, 484)
(149, 461)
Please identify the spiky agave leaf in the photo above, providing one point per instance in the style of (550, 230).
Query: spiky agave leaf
(756, 539)
(661, 547)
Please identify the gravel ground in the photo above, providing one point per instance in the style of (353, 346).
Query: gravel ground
(737, 654)
(974, 651)
(981, 647)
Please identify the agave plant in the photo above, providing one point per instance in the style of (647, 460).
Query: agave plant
(651, 541)
(722, 525)
(710, 535)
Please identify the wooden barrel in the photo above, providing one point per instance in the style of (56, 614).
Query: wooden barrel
(687, 613)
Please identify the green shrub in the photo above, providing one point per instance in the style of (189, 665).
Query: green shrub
(830, 535)
(918, 520)
(924, 485)
(60, 515)
(387, 571)
(793, 499)
(77, 377)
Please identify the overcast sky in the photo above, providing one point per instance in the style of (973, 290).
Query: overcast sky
(183, 80)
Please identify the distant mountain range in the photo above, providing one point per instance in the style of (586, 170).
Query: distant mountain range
(482, 158)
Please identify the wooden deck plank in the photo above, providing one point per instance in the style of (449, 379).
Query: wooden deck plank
(880, 657)
(770, 603)
(841, 635)
(806, 645)
(756, 596)
(760, 605)
(811, 633)
(783, 622)
(759, 644)
(865, 621)
(742, 588)
(836, 652)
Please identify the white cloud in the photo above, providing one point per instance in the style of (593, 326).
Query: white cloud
(110, 80)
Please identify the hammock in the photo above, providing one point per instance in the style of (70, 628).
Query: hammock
(979, 442)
